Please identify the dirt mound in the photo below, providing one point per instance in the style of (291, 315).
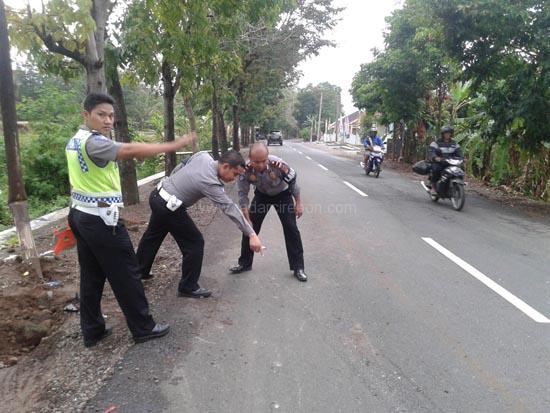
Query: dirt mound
(32, 308)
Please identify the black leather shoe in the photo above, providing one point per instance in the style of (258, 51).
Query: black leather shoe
(146, 277)
(90, 342)
(159, 330)
(237, 269)
(198, 293)
(301, 275)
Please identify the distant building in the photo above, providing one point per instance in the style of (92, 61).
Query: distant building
(350, 129)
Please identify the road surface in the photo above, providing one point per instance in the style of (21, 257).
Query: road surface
(410, 307)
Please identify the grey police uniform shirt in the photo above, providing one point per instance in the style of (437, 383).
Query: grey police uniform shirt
(270, 182)
(101, 149)
(198, 178)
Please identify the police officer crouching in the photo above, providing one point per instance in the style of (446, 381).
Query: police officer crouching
(275, 185)
(104, 248)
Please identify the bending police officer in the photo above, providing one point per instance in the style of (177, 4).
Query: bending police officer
(200, 176)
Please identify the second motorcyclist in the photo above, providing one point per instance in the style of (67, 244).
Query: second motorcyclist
(444, 148)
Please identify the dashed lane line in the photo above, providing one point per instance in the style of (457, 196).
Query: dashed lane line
(497, 288)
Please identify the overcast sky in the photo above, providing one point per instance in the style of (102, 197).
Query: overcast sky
(360, 29)
(356, 34)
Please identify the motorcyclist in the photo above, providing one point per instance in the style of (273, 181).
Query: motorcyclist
(372, 139)
(444, 148)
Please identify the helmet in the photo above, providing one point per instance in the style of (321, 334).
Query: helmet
(447, 129)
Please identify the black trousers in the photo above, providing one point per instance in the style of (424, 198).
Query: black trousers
(188, 237)
(436, 170)
(107, 254)
(284, 205)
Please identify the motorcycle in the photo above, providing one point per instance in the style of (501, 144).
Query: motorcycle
(373, 161)
(450, 185)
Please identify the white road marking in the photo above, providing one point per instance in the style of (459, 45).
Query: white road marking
(355, 188)
(504, 293)
(322, 167)
(301, 153)
(307, 157)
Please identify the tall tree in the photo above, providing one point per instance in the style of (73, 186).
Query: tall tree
(127, 169)
(17, 198)
(65, 33)
(270, 50)
(308, 102)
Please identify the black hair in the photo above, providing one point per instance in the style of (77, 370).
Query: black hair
(93, 99)
(233, 158)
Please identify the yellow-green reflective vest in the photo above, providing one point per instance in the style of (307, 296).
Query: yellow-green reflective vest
(90, 183)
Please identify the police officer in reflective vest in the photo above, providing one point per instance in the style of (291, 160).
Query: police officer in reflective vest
(105, 250)
(275, 185)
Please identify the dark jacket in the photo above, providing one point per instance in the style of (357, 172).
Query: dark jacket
(445, 150)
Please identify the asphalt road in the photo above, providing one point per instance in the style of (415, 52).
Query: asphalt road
(386, 323)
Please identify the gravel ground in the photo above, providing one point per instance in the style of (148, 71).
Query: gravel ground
(60, 374)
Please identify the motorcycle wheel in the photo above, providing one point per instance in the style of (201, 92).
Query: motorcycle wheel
(458, 196)
(377, 174)
(368, 170)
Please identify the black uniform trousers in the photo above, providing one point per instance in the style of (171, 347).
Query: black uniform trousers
(188, 237)
(284, 205)
(107, 254)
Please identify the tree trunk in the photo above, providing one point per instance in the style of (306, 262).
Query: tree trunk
(95, 78)
(192, 120)
(245, 135)
(236, 125)
(222, 132)
(215, 143)
(95, 48)
(17, 198)
(215, 127)
(169, 128)
(128, 176)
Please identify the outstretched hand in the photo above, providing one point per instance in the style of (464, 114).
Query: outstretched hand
(185, 140)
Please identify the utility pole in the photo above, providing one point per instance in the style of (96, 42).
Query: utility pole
(337, 117)
(17, 199)
(319, 120)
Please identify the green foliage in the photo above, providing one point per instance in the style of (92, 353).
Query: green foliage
(64, 22)
(480, 65)
(12, 242)
(308, 100)
(305, 134)
(500, 163)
